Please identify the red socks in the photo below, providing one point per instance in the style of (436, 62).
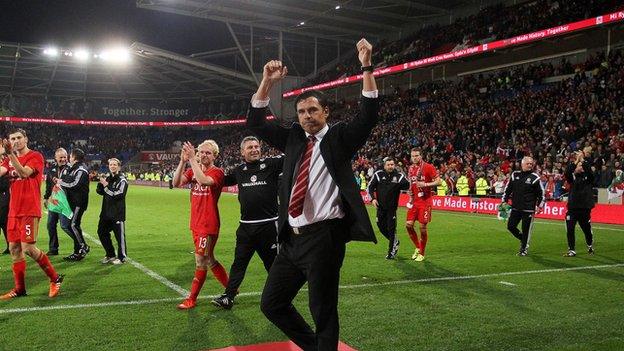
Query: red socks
(219, 272)
(414, 237)
(198, 282)
(423, 240)
(200, 277)
(46, 266)
(19, 272)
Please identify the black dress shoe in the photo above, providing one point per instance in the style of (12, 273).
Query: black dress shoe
(74, 257)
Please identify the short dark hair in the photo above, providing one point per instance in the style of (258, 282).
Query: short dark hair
(319, 95)
(18, 130)
(78, 154)
(388, 158)
(414, 149)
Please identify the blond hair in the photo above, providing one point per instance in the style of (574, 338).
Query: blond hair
(212, 144)
(116, 160)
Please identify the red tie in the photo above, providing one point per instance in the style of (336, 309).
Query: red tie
(301, 184)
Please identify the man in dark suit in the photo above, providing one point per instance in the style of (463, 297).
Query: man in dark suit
(321, 208)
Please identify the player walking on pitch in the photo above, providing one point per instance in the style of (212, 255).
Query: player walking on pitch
(25, 169)
(423, 177)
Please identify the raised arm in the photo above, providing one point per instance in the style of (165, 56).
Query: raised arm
(360, 127)
(178, 177)
(22, 171)
(200, 177)
(272, 133)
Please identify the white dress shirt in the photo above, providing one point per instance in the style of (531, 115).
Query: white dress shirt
(322, 199)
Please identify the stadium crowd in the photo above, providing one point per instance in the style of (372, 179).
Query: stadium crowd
(490, 24)
(452, 121)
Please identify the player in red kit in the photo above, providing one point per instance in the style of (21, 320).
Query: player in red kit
(206, 182)
(423, 178)
(25, 170)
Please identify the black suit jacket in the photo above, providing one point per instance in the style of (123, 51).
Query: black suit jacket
(338, 147)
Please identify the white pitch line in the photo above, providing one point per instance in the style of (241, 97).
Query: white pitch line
(490, 275)
(168, 283)
(355, 286)
(483, 215)
(506, 283)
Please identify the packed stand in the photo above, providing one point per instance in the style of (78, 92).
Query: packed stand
(483, 126)
(490, 24)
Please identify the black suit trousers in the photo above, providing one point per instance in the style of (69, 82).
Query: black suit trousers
(315, 256)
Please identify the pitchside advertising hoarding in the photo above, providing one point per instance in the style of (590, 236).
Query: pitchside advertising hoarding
(158, 156)
(611, 214)
(608, 214)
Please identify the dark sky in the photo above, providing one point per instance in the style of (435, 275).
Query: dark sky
(100, 23)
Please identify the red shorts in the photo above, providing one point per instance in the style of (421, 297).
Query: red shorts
(420, 212)
(22, 229)
(204, 243)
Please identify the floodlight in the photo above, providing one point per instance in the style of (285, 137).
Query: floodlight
(118, 55)
(53, 52)
(81, 54)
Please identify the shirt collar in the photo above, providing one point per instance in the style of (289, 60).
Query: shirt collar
(320, 134)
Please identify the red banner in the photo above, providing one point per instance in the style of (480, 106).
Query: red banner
(518, 40)
(602, 213)
(88, 122)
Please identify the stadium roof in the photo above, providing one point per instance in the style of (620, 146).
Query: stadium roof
(259, 30)
(318, 18)
(151, 74)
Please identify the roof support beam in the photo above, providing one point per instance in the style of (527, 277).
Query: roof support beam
(158, 72)
(150, 50)
(242, 52)
(17, 57)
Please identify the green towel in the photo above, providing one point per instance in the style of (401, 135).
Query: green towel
(503, 211)
(58, 203)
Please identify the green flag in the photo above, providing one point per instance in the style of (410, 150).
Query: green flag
(58, 203)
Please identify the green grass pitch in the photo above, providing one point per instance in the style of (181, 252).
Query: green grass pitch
(472, 292)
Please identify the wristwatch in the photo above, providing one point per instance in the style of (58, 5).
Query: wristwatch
(368, 68)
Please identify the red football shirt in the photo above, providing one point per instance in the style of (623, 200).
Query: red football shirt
(425, 172)
(26, 192)
(204, 210)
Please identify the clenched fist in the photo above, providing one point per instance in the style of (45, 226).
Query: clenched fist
(274, 71)
(365, 50)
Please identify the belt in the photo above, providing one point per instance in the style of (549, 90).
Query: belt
(311, 227)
